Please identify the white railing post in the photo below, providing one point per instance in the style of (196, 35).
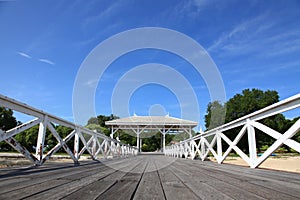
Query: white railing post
(41, 139)
(192, 149)
(219, 147)
(94, 146)
(186, 150)
(252, 144)
(76, 144)
(202, 147)
(180, 150)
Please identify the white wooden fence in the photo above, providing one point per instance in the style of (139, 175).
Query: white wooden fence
(211, 141)
(93, 143)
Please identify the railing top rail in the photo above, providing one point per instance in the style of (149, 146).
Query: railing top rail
(26, 109)
(276, 108)
(29, 110)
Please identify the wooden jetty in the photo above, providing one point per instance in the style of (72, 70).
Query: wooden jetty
(147, 177)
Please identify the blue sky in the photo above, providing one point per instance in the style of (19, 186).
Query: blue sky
(254, 44)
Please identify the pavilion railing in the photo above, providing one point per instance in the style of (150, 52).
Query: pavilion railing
(211, 141)
(94, 143)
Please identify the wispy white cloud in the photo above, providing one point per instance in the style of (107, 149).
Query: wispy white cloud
(24, 55)
(95, 38)
(46, 61)
(92, 83)
(190, 9)
(257, 35)
(105, 14)
(240, 34)
(284, 45)
(200, 4)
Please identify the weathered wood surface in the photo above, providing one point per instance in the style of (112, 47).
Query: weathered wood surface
(147, 177)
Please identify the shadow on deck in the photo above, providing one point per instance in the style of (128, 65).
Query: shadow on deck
(147, 177)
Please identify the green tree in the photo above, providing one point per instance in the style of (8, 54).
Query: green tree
(7, 121)
(93, 120)
(96, 126)
(248, 102)
(243, 104)
(297, 136)
(127, 138)
(101, 119)
(51, 141)
(180, 136)
(28, 138)
(215, 115)
(153, 143)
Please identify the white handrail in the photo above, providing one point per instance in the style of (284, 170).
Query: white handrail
(200, 146)
(96, 144)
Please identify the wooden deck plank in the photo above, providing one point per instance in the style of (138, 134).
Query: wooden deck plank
(199, 186)
(255, 181)
(147, 177)
(150, 186)
(242, 182)
(173, 187)
(127, 184)
(36, 176)
(32, 189)
(34, 179)
(269, 174)
(95, 189)
(223, 186)
(75, 184)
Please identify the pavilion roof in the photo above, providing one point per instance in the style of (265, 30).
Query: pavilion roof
(151, 120)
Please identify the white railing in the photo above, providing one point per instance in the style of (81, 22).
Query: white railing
(211, 141)
(93, 143)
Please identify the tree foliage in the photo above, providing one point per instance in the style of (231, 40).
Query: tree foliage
(215, 115)
(7, 121)
(243, 104)
(28, 138)
(101, 119)
(98, 123)
(153, 143)
(248, 102)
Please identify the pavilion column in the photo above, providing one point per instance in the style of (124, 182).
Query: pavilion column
(112, 132)
(164, 140)
(138, 141)
(161, 142)
(138, 145)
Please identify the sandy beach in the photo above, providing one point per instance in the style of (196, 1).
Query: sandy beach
(282, 163)
(16, 159)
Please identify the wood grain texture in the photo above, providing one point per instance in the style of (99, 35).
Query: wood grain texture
(147, 177)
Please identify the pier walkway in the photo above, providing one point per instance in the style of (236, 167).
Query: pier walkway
(147, 177)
